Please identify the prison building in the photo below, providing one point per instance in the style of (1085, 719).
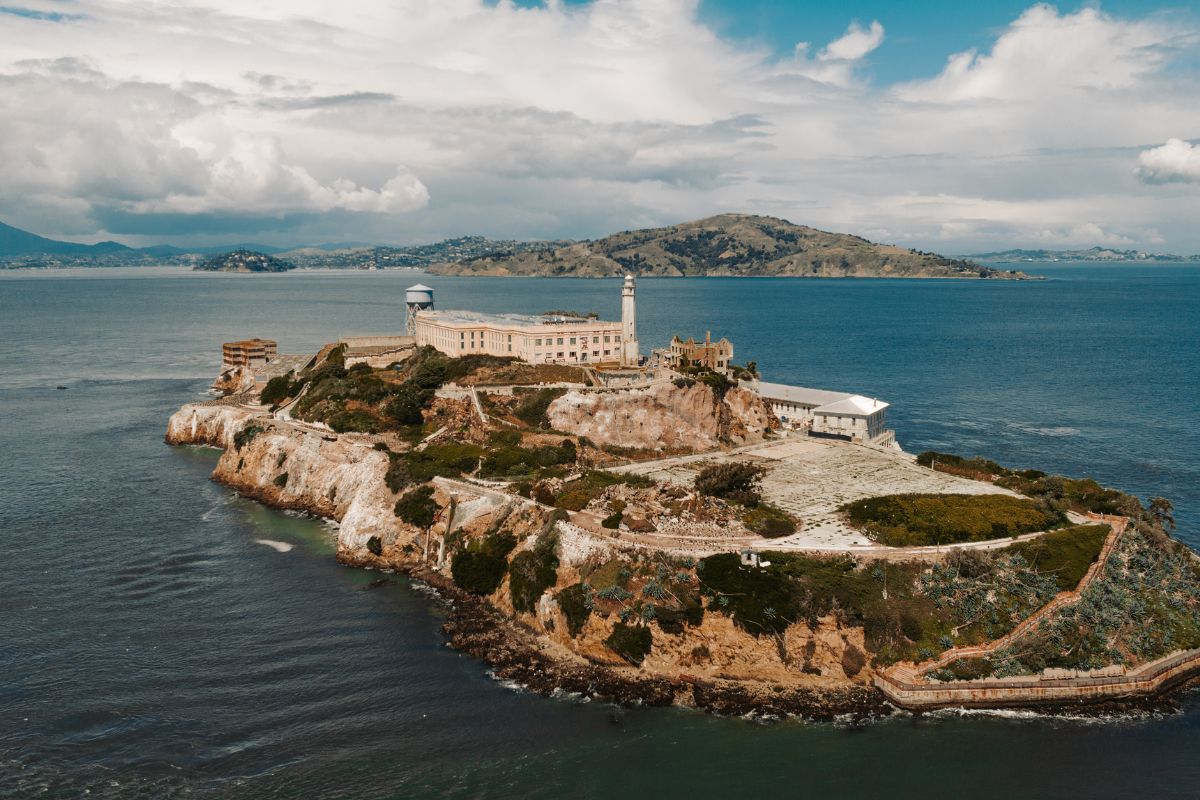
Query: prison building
(254, 353)
(716, 356)
(545, 339)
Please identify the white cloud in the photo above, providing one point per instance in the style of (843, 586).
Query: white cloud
(415, 119)
(1176, 161)
(854, 44)
(837, 62)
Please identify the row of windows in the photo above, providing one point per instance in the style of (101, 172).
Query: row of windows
(550, 341)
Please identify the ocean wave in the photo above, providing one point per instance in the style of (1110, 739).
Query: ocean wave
(277, 546)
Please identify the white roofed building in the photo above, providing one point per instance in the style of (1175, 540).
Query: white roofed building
(828, 414)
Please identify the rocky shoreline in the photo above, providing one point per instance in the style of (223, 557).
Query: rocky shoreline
(340, 478)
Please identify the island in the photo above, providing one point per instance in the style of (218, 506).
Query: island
(671, 528)
(244, 261)
(728, 245)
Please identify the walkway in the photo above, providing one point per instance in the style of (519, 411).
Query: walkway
(907, 684)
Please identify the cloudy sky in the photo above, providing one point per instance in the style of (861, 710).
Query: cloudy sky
(943, 125)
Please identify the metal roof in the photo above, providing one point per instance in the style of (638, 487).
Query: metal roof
(800, 395)
(451, 317)
(853, 406)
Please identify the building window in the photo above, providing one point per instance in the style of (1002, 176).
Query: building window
(537, 342)
(607, 339)
(595, 340)
(560, 341)
(572, 340)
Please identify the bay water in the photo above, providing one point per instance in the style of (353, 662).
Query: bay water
(160, 637)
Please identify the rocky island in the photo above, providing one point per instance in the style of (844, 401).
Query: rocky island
(725, 245)
(244, 261)
(672, 529)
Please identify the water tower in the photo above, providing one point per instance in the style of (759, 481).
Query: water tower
(417, 298)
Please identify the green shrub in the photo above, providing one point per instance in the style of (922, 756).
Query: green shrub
(533, 406)
(532, 572)
(375, 546)
(277, 389)
(442, 460)
(925, 519)
(480, 566)
(769, 522)
(575, 495)
(514, 460)
(576, 604)
(630, 642)
(246, 435)
(613, 520)
(758, 600)
(736, 481)
(417, 507)
(281, 480)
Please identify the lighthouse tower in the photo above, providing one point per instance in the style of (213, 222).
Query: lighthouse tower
(630, 357)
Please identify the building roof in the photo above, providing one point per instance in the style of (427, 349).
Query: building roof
(419, 287)
(854, 405)
(800, 395)
(508, 320)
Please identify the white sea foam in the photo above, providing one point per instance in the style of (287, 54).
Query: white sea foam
(280, 547)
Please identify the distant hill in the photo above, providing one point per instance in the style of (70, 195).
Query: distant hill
(725, 245)
(16, 242)
(1091, 254)
(244, 261)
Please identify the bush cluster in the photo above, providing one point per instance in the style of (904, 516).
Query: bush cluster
(532, 407)
(515, 461)
(734, 481)
(630, 642)
(532, 572)
(576, 604)
(480, 566)
(417, 507)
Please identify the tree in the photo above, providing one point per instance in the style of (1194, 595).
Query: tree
(1163, 512)
(735, 481)
(417, 507)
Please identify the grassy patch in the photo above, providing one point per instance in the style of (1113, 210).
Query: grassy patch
(576, 494)
(1064, 555)
(768, 521)
(904, 520)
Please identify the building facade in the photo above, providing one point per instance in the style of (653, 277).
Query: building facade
(544, 339)
(716, 356)
(537, 340)
(248, 353)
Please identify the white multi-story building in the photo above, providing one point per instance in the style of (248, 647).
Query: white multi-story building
(839, 415)
(544, 339)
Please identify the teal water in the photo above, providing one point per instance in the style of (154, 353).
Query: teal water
(151, 646)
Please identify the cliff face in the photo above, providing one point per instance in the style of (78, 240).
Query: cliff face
(287, 467)
(663, 416)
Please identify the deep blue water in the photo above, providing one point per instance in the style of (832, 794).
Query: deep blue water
(150, 646)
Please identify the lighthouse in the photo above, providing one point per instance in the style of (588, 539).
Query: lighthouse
(630, 357)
